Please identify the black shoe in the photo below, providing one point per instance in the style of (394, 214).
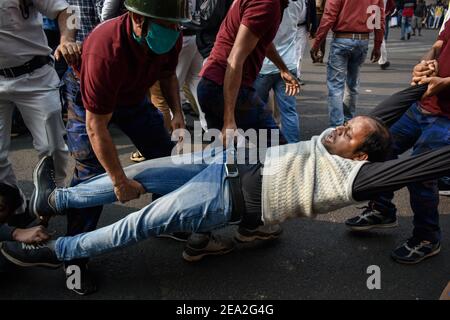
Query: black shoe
(178, 236)
(200, 245)
(42, 200)
(444, 186)
(414, 250)
(371, 218)
(402, 38)
(30, 255)
(408, 36)
(385, 65)
(269, 232)
(86, 284)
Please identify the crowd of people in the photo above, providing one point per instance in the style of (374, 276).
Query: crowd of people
(412, 15)
(142, 65)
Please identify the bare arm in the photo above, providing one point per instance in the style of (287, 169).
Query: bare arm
(292, 85)
(244, 44)
(435, 85)
(434, 52)
(171, 92)
(100, 138)
(68, 48)
(428, 67)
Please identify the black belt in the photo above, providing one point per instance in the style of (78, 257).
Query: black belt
(189, 32)
(237, 197)
(28, 67)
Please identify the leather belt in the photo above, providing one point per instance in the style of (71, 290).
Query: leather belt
(354, 36)
(189, 32)
(232, 175)
(35, 63)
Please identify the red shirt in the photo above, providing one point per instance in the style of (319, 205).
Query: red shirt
(390, 7)
(116, 71)
(408, 12)
(440, 103)
(349, 16)
(262, 17)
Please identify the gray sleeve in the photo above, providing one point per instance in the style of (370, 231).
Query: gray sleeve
(110, 9)
(51, 8)
(6, 232)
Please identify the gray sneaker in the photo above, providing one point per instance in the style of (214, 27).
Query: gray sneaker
(370, 219)
(30, 255)
(444, 186)
(42, 199)
(265, 232)
(415, 250)
(200, 245)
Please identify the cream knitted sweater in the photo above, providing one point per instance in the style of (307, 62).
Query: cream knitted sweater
(303, 179)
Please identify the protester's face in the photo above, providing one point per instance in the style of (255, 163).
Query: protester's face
(345, 140)
(141, 23)
(166, 24)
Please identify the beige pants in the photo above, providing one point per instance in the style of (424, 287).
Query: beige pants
(36, 95)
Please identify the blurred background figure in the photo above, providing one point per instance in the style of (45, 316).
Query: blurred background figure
(419, 16)
(389, 8)
(306, 29)
(407, 9)
(320, 8)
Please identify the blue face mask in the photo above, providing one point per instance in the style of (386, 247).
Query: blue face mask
(159, 39)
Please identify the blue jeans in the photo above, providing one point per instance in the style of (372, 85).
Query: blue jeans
(387, 27)
(143, 124)
(290, 124)
(406, 26)
(423, 133)
(344, 63)
(197, 199)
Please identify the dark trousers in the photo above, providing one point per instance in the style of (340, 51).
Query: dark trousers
(143, 124)
(250, 111)
(423, 133)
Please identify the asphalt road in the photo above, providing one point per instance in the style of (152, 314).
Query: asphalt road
(314, 259)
